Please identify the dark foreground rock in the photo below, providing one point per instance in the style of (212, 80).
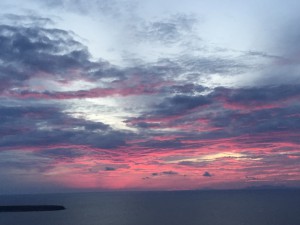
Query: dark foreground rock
(30, 208)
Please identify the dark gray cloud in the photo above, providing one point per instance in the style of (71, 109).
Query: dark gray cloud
(251, 178)
(206, 174)
(266, 187)
(258, 121)
(26, 164)
(169, 172)
(180, 104)
(44, 117)
(35, 51)
(41, 126)
(263, 114)
(172, 144)
(165, 173)
(99, 167)
(188, 88)
(146, 125)
(259, 96)
(63, 154)
(107, 168)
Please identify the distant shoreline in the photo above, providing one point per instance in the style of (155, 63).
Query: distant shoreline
(31, 208)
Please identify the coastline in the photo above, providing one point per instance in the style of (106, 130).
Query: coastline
(30, 208)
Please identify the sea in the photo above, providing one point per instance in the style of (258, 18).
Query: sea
(230, 207)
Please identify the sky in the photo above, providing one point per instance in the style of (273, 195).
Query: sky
(149, 95)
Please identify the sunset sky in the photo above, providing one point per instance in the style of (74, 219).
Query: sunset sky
(149, 94)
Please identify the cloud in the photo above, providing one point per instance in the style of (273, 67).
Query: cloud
(47, 125)
(61, 154)
(27, 20)
(18, 161)
(223, 113)
(188, 88)
(169, 173)
(284, 43)
(250, 178)
(181, 104)
(172, 144)
(166, 30)
(206, 174)
(111, 8)
(80, 94)
(164, 173)
(193, 164)
(256, 97)
(29, 52)
(43, 62)
(110, 168)
(100, 166)
(53, 95)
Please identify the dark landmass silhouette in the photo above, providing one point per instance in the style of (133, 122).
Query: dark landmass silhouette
(30, 208)
(268, 187)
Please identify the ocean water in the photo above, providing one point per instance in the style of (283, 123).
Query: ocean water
(247, 207)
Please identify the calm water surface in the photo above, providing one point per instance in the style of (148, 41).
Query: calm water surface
(264, 207)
